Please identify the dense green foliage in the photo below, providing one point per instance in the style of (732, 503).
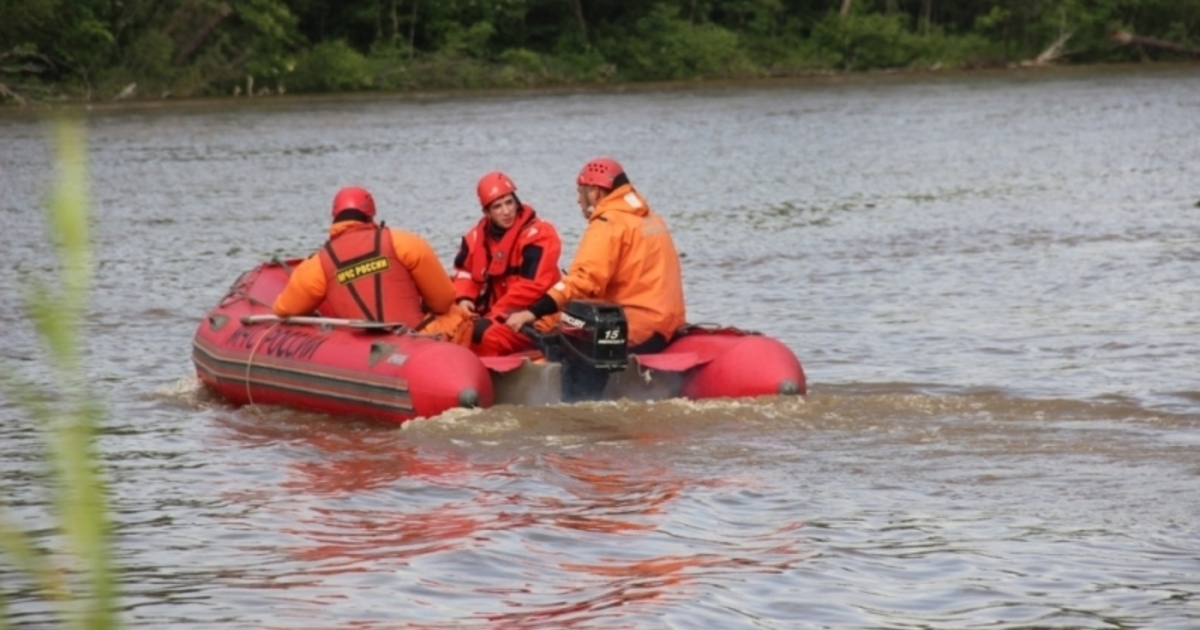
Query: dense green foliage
(101, 48)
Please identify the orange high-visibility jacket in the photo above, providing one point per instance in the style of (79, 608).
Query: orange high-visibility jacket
(627, 257)
(309, 283)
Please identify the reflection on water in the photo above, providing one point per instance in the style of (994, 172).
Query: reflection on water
(509, 519)
(989, 279)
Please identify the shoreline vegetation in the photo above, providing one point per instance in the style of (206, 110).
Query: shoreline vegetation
(109, 51)
(76, 107)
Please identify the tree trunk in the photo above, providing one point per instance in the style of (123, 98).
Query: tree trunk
(412, 33)
(582, 22)
(378, 23)
(395, 25)
(926, 15)
(845, 8)
(184, 55)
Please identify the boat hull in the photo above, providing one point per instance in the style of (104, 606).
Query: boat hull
(700, 364)
(247, 356)
(380, 374)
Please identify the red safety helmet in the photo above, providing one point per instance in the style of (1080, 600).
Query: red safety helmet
(600, 172)
(354, 198)
(493, 186)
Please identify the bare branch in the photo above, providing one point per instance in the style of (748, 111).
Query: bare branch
(1125, 38)
(1052, 52)
(7, 93)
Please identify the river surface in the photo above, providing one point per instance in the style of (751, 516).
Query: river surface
(993, 283)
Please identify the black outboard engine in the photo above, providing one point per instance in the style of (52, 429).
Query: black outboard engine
(594, 342)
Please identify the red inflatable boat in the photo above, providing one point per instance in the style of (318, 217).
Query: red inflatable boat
(380, 371)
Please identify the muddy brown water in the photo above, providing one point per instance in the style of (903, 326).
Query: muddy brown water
(991, 281)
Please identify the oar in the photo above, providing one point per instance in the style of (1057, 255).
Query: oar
(319, 321)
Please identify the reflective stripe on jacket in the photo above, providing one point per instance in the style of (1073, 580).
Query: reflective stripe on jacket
(503, 276)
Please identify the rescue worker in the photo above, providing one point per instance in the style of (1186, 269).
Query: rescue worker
(505, 263)
(626, 256)
(368, 271)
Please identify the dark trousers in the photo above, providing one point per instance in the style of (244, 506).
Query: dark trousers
(655, 344)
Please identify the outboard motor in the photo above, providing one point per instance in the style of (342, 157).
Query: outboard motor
(593, 342)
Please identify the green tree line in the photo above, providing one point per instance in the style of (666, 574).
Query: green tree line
(102, 49)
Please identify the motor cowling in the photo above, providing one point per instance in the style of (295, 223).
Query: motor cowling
(593, 341)
(595, 333)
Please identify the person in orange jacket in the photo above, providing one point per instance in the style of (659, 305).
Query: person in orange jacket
(368, 271)
(626, 256)
(505, 263)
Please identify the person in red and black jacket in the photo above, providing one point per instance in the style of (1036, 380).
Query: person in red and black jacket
(505, 263)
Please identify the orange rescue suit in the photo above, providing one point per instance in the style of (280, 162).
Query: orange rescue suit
(627, 257)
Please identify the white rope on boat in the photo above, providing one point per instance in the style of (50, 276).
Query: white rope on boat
(250, 361)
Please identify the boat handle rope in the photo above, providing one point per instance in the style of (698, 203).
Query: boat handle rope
(255, 301)
(250, 361)
(282, 263)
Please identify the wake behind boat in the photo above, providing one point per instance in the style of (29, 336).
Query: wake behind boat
(383, 371)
